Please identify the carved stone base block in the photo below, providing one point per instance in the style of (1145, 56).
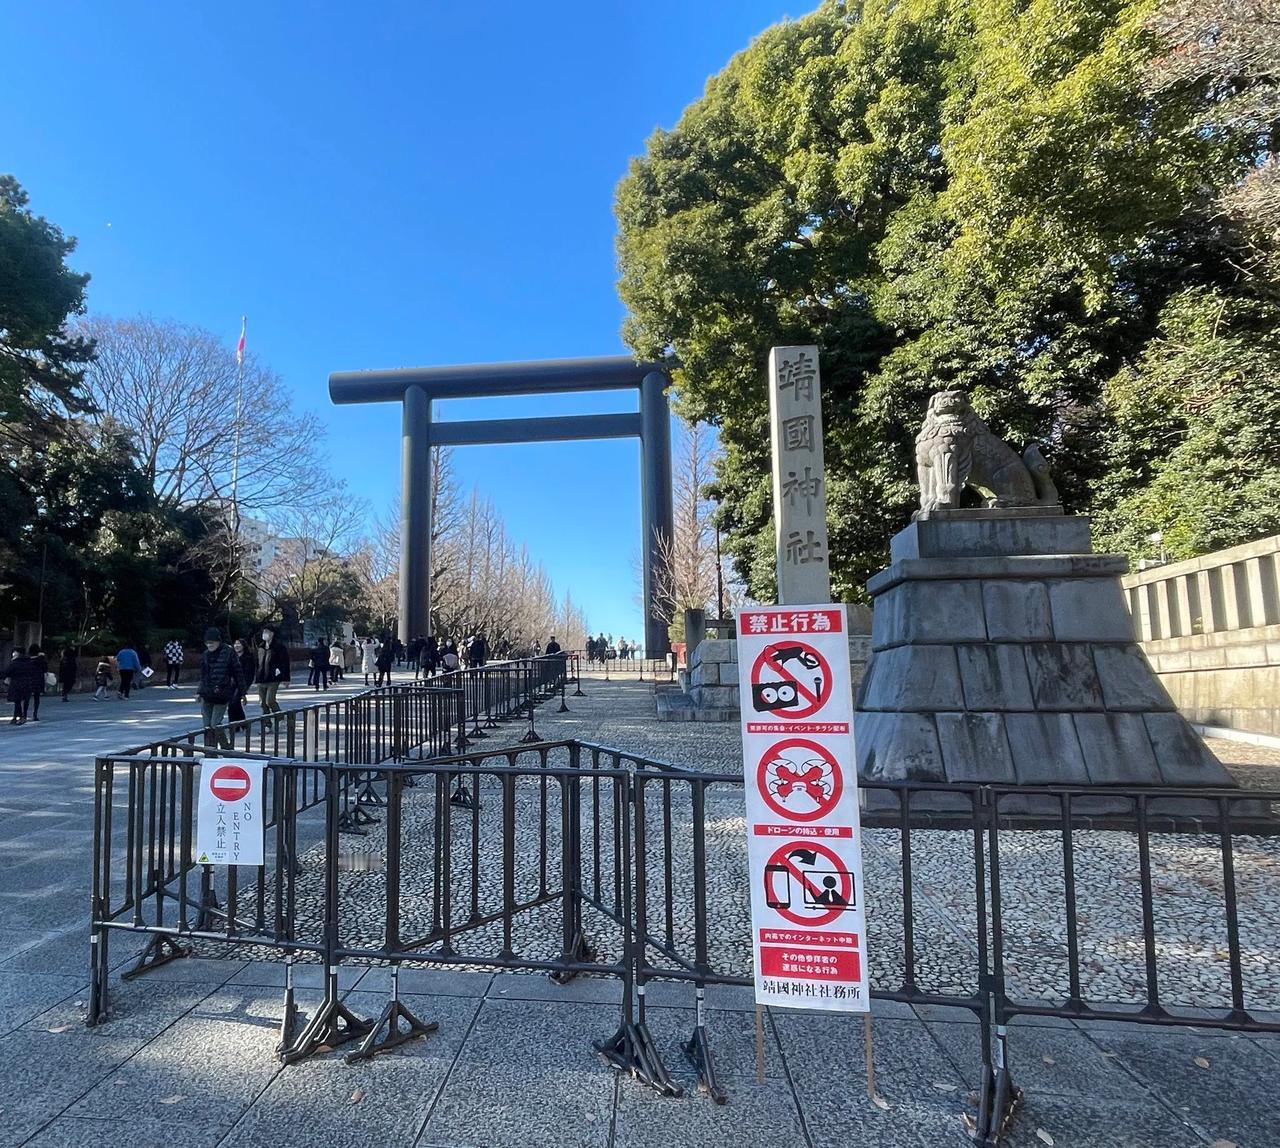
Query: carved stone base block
(1014, 668)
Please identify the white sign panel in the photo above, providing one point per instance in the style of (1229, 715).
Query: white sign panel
(804, 839)
(229, 829)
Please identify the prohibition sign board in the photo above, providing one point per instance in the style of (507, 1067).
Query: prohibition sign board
(229, 815)
(828, 884)
(229, 783)
(795, 664)
(799, 779)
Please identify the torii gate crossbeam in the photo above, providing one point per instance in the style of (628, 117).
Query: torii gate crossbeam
(416, 387)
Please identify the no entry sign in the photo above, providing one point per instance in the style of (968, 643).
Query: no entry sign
(229, 830)
(230, 782)
(804, 840)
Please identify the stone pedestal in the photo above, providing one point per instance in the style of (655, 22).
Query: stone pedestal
(1002, 651)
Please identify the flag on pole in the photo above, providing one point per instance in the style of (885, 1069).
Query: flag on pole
(240, 345)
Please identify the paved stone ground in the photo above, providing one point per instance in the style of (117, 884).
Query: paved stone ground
(187, 1057)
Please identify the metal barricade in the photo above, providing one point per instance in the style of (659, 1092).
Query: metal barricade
(568, 858)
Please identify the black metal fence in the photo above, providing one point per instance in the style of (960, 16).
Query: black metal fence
(570, 858)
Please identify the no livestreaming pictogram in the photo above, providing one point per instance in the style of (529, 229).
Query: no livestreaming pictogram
(799, 779)
(790, 679)
(808, 884)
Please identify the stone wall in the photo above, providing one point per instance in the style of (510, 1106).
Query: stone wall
(1210, 628)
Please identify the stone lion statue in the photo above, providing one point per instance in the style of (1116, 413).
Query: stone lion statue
(955, 448)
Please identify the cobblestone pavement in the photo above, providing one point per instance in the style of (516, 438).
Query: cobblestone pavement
(187, 1057)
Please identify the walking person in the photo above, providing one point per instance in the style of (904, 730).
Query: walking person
(337, 660)
(19, 676)
(127, 664)
(368, 659)
(221, 680)
(248, 663)
(39, 668)
(383, 661)
(101, 680)
(429, 657)
(68, 671)
(144, 666)
(320, 664)
(272, 670)
(173, 655)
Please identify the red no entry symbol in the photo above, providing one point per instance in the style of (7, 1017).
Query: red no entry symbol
(791, 680)
(807, 884)
(799, 780)
(229, 783)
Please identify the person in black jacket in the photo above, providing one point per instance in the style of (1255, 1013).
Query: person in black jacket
(39, 667)
(248, 663)
(68, 671)
(19, 677)
(319, 656)
(383, 662)
(272, 670)
(221, 679)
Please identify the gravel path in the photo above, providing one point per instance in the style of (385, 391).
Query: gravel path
(1191, 954)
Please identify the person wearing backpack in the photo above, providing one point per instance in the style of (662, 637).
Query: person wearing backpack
(221, 679)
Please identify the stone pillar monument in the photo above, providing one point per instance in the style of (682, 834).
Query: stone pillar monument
(799, 479)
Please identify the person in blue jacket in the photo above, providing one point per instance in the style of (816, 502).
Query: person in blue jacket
(128, 663)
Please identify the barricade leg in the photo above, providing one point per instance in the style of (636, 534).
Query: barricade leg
(289, 1021)
(332, 1026)
(698, 1051)
(391, 1019)
(98, 968)
(160, 950)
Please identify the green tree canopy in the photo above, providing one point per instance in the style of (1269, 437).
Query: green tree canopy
(977, 193)
(40, 362)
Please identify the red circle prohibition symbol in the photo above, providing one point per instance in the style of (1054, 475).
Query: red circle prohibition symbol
(804, 776)
(802, 897)
(808, 698)
(229, 783)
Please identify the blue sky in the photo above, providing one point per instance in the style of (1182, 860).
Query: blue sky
(381, 185)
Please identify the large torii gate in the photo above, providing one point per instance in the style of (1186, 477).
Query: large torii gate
(416, 387)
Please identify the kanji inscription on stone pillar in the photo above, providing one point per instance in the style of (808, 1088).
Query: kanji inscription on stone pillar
(799, 479)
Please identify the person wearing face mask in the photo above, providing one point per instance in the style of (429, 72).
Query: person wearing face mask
(273, 668)
(221, 679)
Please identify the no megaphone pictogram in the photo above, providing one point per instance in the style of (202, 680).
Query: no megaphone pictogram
(790, 679)
(799, 779)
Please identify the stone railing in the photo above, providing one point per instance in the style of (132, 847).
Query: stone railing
(1210, 627)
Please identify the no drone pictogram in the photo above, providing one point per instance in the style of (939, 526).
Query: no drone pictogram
(807, 884)
(799, 779)
(790, 679)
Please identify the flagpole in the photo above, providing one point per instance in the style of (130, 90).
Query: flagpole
(235, 449)
(235, 456)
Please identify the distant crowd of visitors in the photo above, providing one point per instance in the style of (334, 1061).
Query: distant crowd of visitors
(228, 671)
(602, 649)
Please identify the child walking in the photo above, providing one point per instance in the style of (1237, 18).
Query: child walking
(101, 679)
